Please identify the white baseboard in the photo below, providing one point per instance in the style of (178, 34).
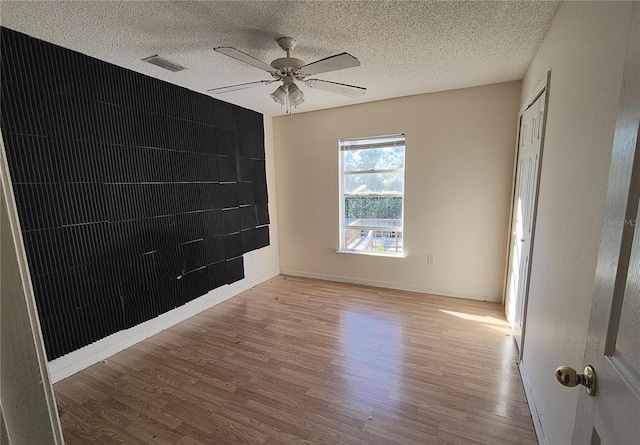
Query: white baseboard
(535, 415)
(75, 361)
(389, 285)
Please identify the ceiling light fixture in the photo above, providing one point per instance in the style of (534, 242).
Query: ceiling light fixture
(288, 94)
(289, 69)
(279, 95)
(295, 95)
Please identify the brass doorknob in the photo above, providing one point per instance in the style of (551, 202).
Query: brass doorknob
(569, 377)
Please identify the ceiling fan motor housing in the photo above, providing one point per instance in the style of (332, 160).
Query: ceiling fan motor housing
(287, 66)
(287, 43)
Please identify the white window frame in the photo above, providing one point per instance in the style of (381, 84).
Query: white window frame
(395, 140)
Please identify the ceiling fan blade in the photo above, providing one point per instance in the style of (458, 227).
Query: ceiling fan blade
(240, 86)
(333, 63)
(334, 87)
(246, 58)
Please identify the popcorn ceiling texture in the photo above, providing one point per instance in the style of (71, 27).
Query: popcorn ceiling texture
(405, 48)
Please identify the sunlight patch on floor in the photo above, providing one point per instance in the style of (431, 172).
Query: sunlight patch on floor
(479, 318)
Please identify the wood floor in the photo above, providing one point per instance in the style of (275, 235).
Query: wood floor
(301, 361)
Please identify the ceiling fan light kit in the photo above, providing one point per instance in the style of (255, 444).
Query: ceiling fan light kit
(279, 95)
(289, 69)
(295, 95)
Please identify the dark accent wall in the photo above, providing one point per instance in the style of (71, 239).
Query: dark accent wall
(135, 196)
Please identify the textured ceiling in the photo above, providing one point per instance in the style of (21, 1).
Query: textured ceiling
(405, 48)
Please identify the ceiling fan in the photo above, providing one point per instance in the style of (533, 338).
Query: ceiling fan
(288, 70)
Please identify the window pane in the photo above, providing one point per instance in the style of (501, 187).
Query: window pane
(372, 188)
(374, 159)
(367, 183)
(373, 240)
(375, 207)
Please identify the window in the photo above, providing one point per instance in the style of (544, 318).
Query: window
(372, 195)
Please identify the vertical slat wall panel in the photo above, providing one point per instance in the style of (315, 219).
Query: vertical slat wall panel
(135, 196)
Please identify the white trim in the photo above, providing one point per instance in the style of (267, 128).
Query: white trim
(389, 285)
(535, 415)
(376, 228)
(75, 361)
(372, 253)
(542, 86)
(374, 195)
(372, 171)
(392, 140)
(29, 339)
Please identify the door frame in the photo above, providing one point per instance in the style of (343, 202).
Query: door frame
(543, 87)
(617, 233)
(29, 410)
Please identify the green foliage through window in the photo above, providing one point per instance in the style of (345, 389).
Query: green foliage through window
(374, 207)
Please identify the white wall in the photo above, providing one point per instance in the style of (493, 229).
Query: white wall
(459, 170)
(259, 266)
(584, 49)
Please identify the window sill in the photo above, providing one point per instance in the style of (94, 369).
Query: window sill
(380, 254)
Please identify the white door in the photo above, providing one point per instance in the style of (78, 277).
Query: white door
(530, 138)
(612, 416)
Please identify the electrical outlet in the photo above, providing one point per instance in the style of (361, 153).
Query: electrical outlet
(431, 259)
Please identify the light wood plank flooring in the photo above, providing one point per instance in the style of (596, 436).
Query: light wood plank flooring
(301, 361)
